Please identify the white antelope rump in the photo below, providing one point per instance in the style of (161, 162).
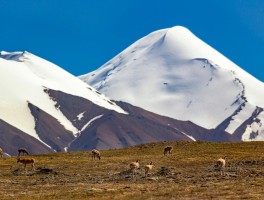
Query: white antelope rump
(22, 151)
(133, 167)
(96, 154)
(220, 164)
(26, 161)
(1, 153)
(167, 150)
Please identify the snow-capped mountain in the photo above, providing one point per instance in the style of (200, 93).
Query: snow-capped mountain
(24, 78)
(44, 109)
(173, 73)
(25, 84)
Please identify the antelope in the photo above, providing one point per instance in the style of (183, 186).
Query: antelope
(220, 164)
(148, 168)
(133, 167)
(26, 161)
(167, 150)
(96, 153)
(22, 151)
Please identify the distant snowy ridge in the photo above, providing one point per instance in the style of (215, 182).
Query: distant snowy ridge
(173, 73)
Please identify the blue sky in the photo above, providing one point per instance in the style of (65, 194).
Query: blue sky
(81, 35)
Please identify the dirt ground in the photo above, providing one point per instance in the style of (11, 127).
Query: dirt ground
(188, 173)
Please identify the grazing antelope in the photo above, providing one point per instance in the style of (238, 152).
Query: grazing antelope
(26, 161)
(148, 168)
(1, 153)
(96, 153)
(167, 150)
(220, 164)
(133, 167)
(22, 151)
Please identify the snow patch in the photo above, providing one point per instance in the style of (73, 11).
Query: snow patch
(255, 131)
(239, 118)
(189, 136)
(90, 122)
(80, 116)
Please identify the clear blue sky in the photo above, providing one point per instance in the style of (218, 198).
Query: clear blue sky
(81, 35)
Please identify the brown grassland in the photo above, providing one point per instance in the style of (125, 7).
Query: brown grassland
(189, 173)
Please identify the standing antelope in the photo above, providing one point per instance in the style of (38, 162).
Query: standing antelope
(96, 153)
(1, 153)
(26, 161)
(133, 167)
(167, 150)
(22, 151)
(148, 168)
(220, 164)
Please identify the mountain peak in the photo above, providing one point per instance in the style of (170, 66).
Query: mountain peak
(190, 80)
(179, 31)
(181, 43)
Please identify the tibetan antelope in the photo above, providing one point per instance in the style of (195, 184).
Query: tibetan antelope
(167, 150)
(96, 153)
(26, 161)
(148, 168)
(133, 167)
(22, 151)
(220, 164)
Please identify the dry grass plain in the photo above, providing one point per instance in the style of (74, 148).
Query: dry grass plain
(189, 173)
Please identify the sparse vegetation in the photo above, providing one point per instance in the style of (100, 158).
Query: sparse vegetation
(189, 173)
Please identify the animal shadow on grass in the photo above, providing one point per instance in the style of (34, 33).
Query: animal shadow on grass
(39, 170)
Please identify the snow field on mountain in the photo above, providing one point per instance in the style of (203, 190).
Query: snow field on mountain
(257, 128)
(173, 73)
(168, 92)
(24, 78)
(183, 44)
(238, 119)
